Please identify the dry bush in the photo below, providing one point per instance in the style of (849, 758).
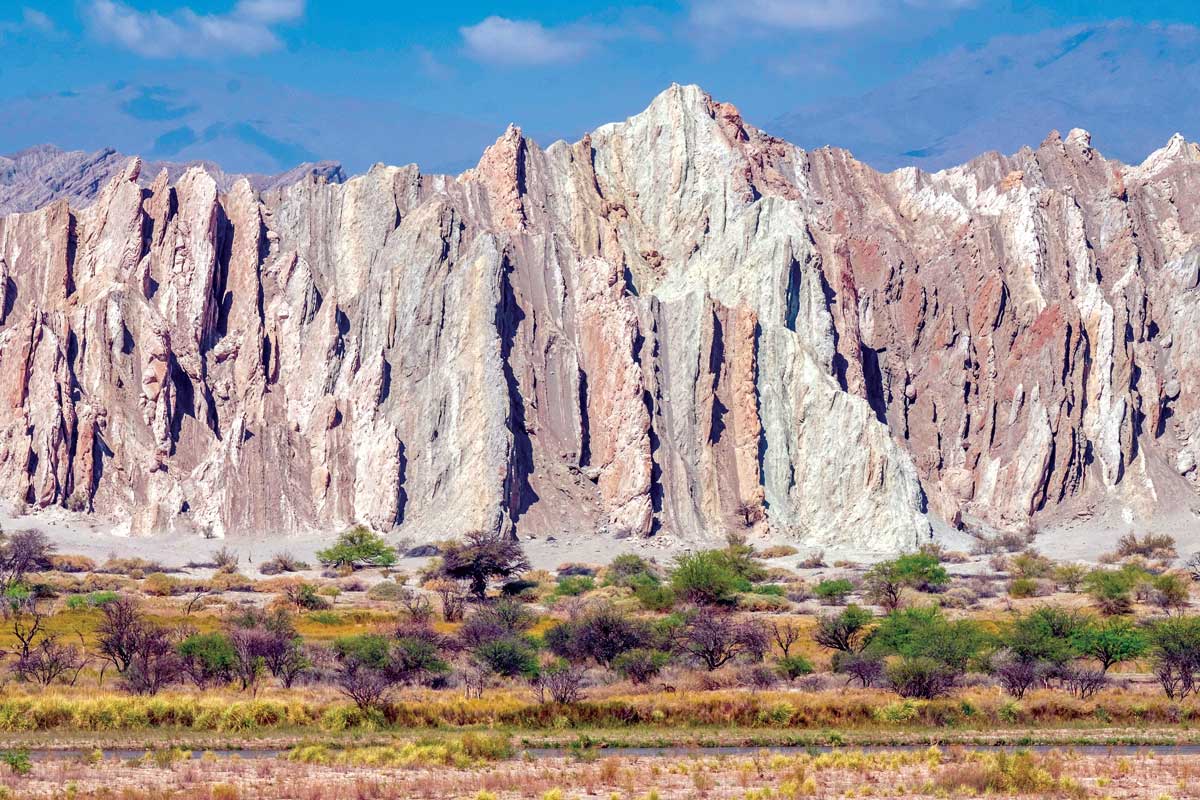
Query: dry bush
(282, 562)
(1150, 545)
(131, 567)
(777, 551)
(64, 562)
(958, 597)
(158, 584)
(230, 582)
(815, 560)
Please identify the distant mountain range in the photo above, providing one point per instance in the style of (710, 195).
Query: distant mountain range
(40, 175)
(1132, 86)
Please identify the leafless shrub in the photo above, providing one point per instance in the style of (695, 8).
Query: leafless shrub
(282, 562)
(562, 680)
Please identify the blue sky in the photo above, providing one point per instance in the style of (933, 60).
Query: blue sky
(261, 83)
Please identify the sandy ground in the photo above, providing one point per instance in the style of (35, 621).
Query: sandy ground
(100, 538)
(948, 773)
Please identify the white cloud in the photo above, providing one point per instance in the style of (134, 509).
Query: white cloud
(31, 21)
(807, 14)
(247, 29)
(498, 40)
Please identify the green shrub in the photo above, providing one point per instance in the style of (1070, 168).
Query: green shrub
(640, 665)
(926, 633)
(366, 649)
(386, 590)
(1048, 634)
(509, 657)
(653, 594)
(358, 547)
(792, 667)
(1111, 590)
(77, 602)
(1021, 588)
(886, 580)
(574, 585)
(208, 657)
(627, 568)
(833, 591)
(17, 761)
(707, 578)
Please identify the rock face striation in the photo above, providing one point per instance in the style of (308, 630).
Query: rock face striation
(676, 325)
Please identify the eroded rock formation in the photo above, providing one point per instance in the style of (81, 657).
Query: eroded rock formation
(678, 324)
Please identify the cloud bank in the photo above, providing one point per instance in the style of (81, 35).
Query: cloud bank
(248, 29)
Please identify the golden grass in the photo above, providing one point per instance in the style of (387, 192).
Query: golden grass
(89, 710)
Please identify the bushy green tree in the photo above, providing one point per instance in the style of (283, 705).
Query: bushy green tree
(707, 578)
(208, 658)
(844, 632)
(792, 667)
(886, 581)
(927, 633)
(358, 547)
(833, 591)
(510, 657)
(1112, 642)
(1047, 634)
(1112, 589)
(1175, 647)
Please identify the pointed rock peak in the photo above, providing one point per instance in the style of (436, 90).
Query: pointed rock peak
(678, 100)
(1176, 149)
(1179, 147)
(1080, 138)
(132, 171)
(1052, 138)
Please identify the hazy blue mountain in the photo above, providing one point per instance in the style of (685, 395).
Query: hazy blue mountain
(1132, 86)
(245, 125)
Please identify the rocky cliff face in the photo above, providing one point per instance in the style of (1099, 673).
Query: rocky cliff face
(676, 325)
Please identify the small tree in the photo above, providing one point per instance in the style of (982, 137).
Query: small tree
(120, 628)
(792, 667)
(1070, 576)
(925, 633)
(1170, 591)
(155, 664)
(358, 547)
(22, 552)
(1111, 590)
(641, 665)
(509, 657)
(1175, 646)
(715, 639)
(1017, 676)
(1046, 634)
(1111, 642)
(886, 581)
(600, 633)
(208, 658)
(706, 578)
(785, 633)
(481, 558)
(844, 632)
(922, 677)
(453, 597)
(50, 661)
(562, 679)
(865, 668)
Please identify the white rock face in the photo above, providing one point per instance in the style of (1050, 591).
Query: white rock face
(678, 325)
